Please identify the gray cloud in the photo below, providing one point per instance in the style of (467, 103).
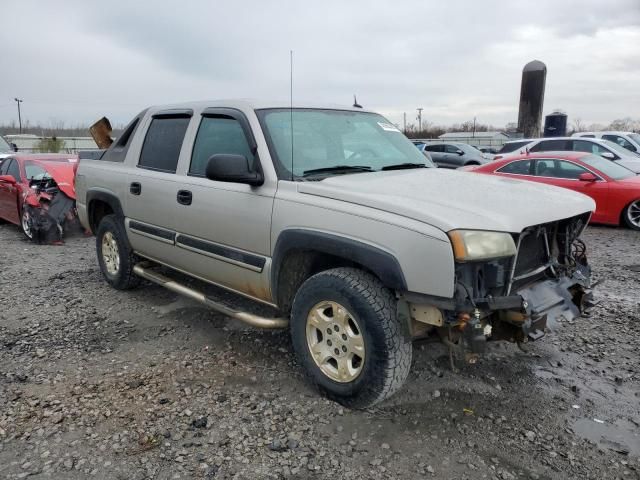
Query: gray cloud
(457, 59)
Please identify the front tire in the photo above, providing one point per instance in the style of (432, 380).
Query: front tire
(631, 215)
(115, 256)
(26, 221)
(347, 337)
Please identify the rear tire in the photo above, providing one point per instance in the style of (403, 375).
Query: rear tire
(347, 337)
(631, 215)
(115, 257)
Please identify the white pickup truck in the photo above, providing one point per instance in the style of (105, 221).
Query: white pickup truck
(332, 216)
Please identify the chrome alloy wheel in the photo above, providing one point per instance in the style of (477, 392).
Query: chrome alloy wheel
(110, 253)
(26, 223)
(633, 213)
(335, 341)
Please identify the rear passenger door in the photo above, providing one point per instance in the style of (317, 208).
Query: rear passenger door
(153, 187)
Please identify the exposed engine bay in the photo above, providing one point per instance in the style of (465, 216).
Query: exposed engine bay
(515, 298)
(49, 211)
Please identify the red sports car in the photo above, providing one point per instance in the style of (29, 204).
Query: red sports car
(37, 193)
(615, 189)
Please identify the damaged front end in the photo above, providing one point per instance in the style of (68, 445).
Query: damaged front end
(515, 298)
(49, 211)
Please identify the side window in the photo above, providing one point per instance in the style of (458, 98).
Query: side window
(451, 149)
(623, 142)
(218, 135)
(14, 170)
(549, 146)
(434, 148)
(559, 169)
(162, 143)
(586, 146)
(4, 164)
(522, 167)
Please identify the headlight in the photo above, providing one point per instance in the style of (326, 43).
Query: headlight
(470, 245)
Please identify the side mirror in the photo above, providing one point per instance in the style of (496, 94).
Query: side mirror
(459, 152)
(587, 177)
(608, 155)
(224, 167)
(8, 179)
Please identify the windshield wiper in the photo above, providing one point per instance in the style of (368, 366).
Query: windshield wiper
(403, 166)
(338, 169)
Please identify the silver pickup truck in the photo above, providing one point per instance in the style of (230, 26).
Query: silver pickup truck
(333, 217)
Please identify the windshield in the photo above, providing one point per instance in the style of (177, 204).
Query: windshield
(635, 137)
(610, 169)
(513, 146)
(4, 146)
(621, 151)
(325, 139)
(35, 172)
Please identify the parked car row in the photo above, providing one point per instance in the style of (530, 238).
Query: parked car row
(615, 189)
(588, 163)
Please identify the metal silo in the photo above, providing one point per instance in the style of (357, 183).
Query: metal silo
(555, 124)
(534, 76)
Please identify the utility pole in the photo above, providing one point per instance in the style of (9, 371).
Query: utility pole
(474, 127)
(405, 123)
(19, 101)
(420, 118)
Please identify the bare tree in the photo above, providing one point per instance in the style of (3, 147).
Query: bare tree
(578, 126)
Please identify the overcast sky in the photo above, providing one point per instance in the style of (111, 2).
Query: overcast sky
(73, 61)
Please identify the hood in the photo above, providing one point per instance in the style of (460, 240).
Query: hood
(630, 163)
(63, 173)
(449, 199)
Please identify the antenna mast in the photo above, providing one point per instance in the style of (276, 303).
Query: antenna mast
(291, 105)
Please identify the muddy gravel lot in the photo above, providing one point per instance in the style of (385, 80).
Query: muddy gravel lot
(96, 383)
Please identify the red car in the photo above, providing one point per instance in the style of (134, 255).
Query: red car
(37, 193)
(615, 189)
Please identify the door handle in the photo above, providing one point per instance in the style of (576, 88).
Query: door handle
(184, 197)
(135, 188)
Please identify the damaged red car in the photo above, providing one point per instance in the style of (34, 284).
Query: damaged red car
(37, 193)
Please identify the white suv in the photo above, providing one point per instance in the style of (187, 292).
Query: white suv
(628, 140)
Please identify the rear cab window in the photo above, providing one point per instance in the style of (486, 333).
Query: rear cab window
(163, 142)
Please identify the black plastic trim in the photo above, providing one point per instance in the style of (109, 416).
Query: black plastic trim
(152, 230)
(174, 112)
(384, 265)
(221, 251)
(108, 198)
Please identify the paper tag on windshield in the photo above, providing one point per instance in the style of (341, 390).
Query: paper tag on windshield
(388, 127)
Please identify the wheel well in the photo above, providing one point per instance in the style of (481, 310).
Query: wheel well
(622, 219)
(98, 209)
(471, 163)
(298, 266)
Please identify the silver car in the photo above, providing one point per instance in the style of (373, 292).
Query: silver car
(454, 154)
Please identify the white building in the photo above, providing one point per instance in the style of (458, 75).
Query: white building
(29, 143)
(489, 139)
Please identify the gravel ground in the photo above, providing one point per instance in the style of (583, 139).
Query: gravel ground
(143, 384)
